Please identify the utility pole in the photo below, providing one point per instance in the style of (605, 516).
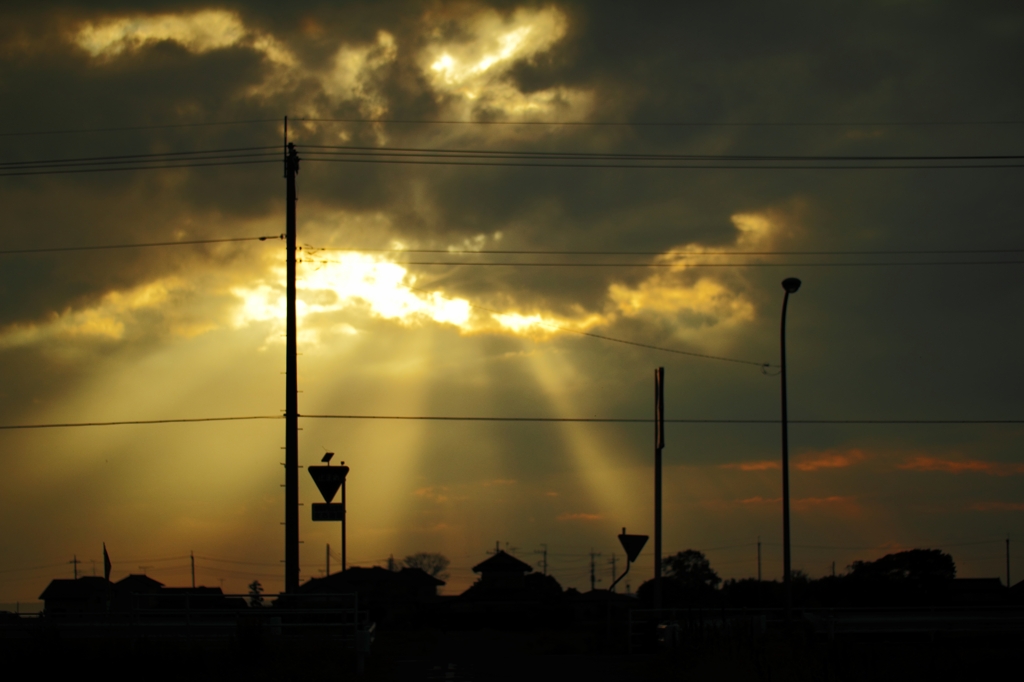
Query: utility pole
(593, 577)
(344, 526)
(291, 389)
(544, 560)
(614, 573)
(758, 558)
(192, 558)
(791, 285)
(75, 561)
(659, 443)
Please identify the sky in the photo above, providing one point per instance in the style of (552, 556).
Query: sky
(195, 331)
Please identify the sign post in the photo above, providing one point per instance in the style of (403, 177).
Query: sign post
(328, 480)
(633, 544)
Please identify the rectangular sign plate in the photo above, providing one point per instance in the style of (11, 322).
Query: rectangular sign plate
(328, 512)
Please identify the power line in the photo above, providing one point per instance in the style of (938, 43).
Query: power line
(686, 254)
(705, 166)
(118, 129)
(436, 156)
(155, 156)
(137, 167)
(137, 422)
(538, 420)
(705, 356)
(103, 247)
(233, 561)
(616, 420)
(715, 265)
(188, 159)
(438, 152)
(667, 124)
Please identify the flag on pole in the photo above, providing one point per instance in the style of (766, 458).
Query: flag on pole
(106, 562)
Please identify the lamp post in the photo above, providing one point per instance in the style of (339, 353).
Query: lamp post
(791, 285)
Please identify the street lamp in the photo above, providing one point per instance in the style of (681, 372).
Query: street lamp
(791, 285)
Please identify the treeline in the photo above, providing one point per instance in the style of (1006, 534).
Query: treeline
(913, 578)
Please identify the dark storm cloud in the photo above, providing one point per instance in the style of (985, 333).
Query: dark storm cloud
(865, 342)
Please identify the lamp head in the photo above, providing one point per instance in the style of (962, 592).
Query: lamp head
(791, 285)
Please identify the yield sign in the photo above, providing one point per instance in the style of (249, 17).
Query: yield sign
(632, 544)
(328, 479)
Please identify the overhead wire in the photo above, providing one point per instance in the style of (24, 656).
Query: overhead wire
(413, 152)
(186, 159)
(136, 245)
(135, 422)
(535, 420)
(119, 129)
(477, 157)
(639, 124)
(511, 264)
(686, 254)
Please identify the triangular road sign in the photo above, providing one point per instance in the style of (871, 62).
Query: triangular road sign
(328, 479)
(633, 544)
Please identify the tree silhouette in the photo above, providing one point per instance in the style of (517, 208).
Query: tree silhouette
(915, 565)
(431, 563)
(691, 568)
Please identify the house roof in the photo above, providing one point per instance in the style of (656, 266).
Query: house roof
(504, 563)
(138, 583)
(82, 588)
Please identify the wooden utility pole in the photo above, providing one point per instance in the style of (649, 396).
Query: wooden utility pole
(344, 528)
(659, 443)
(192, 558)
(593, 576)
(291, 389)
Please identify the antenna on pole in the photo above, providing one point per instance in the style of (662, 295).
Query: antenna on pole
(544, 560)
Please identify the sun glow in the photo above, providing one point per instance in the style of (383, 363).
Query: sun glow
(353, 279)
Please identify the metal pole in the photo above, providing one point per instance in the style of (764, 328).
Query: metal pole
(291, 436)
(344, 520)
(659, 443)
(791, 285)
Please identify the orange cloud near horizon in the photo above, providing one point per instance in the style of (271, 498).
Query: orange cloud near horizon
(813, 461)
(846, 503)
(829, 459)
(579, 516)
(959, 466)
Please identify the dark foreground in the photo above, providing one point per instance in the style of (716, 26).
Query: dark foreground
(488, 655)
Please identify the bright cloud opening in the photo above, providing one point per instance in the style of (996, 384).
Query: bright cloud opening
(473, 72)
